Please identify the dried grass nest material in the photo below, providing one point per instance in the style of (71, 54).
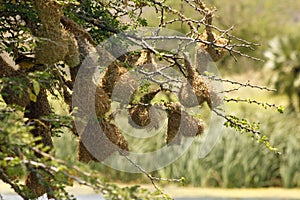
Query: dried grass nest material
(99, 147)
(102, 102)
(180, 123)
(146, 61)
(141, 114)
(215, 53)
(195, 92)
(56, 44)
(112, 75)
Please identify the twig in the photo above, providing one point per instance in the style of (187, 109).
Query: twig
(256, 133)
(241, 126)
(250, 101)
(144, 172)
(63, 163)
(49, 168)
(152, 179)
(231, 90)
(216, 78)
(206, 21)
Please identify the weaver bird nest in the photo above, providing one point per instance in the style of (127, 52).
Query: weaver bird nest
(140, 99)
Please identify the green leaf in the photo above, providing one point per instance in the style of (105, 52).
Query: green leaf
(143, 21)
(280, 109)
(36, 87)
(31, 95)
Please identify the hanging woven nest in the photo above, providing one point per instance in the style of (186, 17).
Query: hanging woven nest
(173, 136)
(111, 76)
(195, 92)
(114, 135)
(187, 96)
(216, 98)
(124, 89)
(139, 116)
(72, 58)
(97, 145)
(190, 126)
(200, 88)
(83, 154)
(102, 102)
(215, 53)
(180, 123)
(56, 44)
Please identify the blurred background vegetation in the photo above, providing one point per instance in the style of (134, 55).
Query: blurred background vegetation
(237, 161)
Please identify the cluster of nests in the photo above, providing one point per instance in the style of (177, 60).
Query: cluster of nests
(180, 123)
(61, 45)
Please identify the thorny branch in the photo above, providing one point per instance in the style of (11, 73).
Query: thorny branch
(247, 84)
(152, 178)
(207, 22)
(241, 125)
(251, 101)
(49, 169)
